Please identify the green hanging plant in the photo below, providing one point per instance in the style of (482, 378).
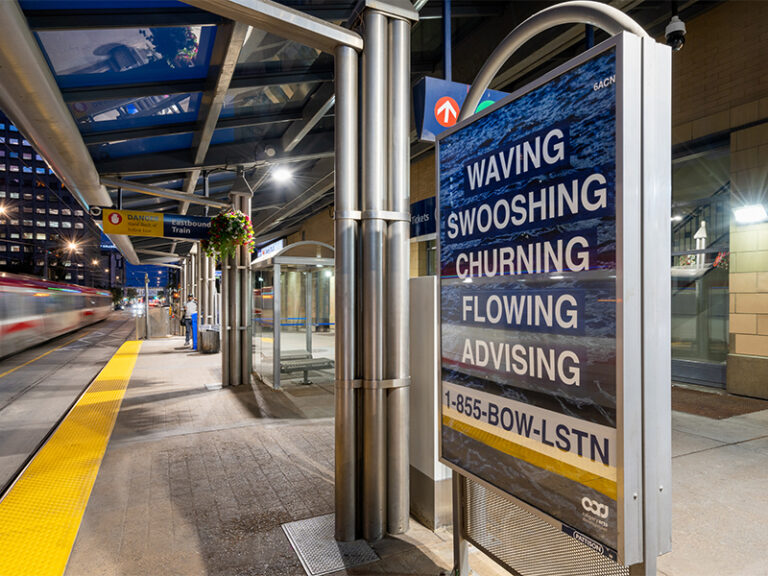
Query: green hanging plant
(228, 231)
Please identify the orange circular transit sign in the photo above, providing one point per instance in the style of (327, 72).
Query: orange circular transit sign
(446, 111)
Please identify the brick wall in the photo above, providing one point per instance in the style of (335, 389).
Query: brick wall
(747, 366)
(318, 228)
(721, 67)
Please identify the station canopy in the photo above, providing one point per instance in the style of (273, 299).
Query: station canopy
(164, 94)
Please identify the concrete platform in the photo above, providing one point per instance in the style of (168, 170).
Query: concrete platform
(198, 480)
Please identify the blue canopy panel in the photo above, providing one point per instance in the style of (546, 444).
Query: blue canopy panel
(99, 4)
(266, 100)
(139, 112)
(141, 146)
(109, 56)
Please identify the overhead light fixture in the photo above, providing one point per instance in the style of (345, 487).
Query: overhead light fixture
(750, 214)
(676, 218)
(282, 175)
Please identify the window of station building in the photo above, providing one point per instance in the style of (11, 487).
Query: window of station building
(3, 248)
(66, 212)
(26, 156)
(39, 210)
(13, 168)
(2, 193)
(53, 211)
(13, 141)
(701, 218)
(27, 196)
(40, 263)
(12, 128)
(2, 153)
(14, 222)
(53, 224)
(40, 197)
(14, 155)
(28, 223)
(14, 195)
(15, 248)
(65, 224)
(2, 139)
(2, 168)
(40, 223)
(25, 143)
(14, 235)
(78, 212)
(40, 170)
(27, 236)
(3, 262)
(40, 236)
(27, 249)
(78, 225)
(67, 276)
(27, 170)
(27, 209)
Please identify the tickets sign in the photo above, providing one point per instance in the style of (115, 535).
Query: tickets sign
(136, 223)
(534, 318)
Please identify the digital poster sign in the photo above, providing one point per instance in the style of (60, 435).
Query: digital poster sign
(531, 310)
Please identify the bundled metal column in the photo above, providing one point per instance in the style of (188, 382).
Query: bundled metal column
(398, 270)
(245, 280)
(374, 143)
(210, 306)
(346, 232)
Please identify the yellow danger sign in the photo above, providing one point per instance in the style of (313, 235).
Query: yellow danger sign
(132, 222)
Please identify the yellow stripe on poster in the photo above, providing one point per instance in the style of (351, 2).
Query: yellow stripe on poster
(586, 472)
(41, 514)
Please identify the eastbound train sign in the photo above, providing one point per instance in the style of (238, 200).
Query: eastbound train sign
(135, 223)
(540, 204)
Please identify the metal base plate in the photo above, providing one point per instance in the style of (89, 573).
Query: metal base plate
(319, 553)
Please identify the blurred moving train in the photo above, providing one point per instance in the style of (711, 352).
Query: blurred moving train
(34, 310)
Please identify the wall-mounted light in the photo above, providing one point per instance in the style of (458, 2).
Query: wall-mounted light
(750, 214)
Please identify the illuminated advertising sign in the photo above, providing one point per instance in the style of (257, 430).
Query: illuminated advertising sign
(540, 324)
(136, 223)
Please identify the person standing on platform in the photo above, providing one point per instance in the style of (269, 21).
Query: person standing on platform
(189, 308)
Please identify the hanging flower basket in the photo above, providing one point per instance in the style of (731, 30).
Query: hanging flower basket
(228, 231)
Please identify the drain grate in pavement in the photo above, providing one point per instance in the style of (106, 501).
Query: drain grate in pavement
(319, 553)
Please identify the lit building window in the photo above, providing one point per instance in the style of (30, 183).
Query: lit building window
(79, 225)
(27, 236)
(78, 212)
(53, 224)
(40, 223)
(39, 236)
(66, 224)
(14, 248)
(28, 223)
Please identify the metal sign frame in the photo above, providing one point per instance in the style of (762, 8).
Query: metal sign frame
(642, 184)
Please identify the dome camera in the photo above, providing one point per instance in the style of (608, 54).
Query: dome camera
(675, 33)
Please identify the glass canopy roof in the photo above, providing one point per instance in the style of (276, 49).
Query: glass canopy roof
(167, 95)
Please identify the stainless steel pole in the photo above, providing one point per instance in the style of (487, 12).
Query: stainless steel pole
(308, 310)
(374, 195)
(202, 299)
(398, 271)
(246, 303)
(277, 320)
(225, 322)
(346, 232)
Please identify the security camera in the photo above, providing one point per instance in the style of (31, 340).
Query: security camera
(675, 33)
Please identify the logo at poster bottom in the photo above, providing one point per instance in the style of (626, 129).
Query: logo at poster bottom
(594, 507)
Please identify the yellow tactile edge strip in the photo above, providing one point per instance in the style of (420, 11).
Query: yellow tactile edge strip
(41, 514)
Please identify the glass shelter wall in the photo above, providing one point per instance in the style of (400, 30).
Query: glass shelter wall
(701, 214)
(294, 316)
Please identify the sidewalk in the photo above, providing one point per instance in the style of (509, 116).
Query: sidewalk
(198, 480)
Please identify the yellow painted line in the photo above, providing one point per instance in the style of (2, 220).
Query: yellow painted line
(41, 514)
(43, 355)
(554, 465)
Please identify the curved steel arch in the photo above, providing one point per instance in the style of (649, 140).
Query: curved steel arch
(607, 18)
